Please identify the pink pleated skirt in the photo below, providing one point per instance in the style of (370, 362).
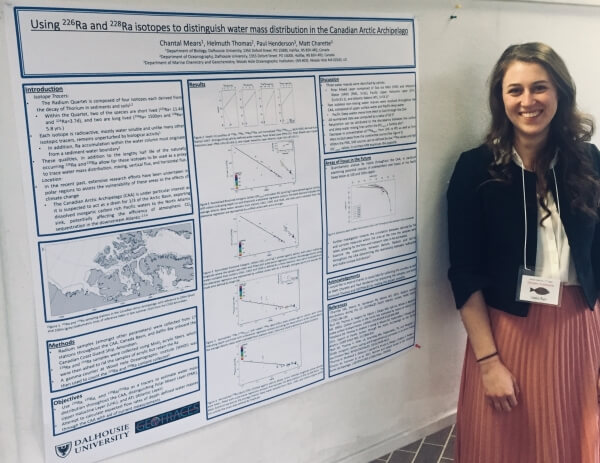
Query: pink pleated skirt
(554, 353)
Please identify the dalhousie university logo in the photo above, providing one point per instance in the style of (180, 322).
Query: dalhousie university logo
(62, 450)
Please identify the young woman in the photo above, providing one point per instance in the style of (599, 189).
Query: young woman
(523, 221)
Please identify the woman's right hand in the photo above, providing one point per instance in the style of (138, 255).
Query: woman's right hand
(499, 384)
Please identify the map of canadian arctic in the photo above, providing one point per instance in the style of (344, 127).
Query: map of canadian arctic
(98, 272)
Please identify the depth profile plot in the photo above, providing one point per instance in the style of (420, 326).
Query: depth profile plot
(371, 199)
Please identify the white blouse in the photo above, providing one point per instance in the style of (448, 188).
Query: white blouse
(553, 254)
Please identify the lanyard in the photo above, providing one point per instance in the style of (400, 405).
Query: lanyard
(534, 288)
(558, 248)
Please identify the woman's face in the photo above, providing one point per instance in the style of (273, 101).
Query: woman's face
(530, 100)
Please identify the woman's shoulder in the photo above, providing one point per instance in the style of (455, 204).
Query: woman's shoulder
(482, 154)
(471, 171)
(474, 162)
(594, 153)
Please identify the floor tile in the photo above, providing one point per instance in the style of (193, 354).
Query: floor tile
(428, 454)
(439, 437)
(383, 458)
(413, 447)
(449, 451)
(402, 457)
(426, 450)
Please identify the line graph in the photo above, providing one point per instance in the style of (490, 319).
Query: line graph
(229, 107)
(266, 297)
(268, 356)
(261, 164)
(255, 104)
(265, 230)
(371, 199)
(286, 103)
(249, 107)
(268, 104)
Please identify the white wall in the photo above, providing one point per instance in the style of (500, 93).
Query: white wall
(362, 416)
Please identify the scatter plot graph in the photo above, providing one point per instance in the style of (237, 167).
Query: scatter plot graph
(229, 107)
(267, 297)
(286, 103)
(266, 357)
(249, 107)
(264, 231)
(371, 199)
(260, 165)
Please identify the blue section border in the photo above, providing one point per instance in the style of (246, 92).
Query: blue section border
(195, 309)
(283, 76)
(267, 399)
(54, 433)
(31, 161)
(368, 288)
(329, 272)
(118, 306)
(203, 15)
(385, 356)
(367, 147)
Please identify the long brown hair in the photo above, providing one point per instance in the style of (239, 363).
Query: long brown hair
(569, 129)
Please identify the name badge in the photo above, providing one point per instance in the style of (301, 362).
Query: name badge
(538, 290)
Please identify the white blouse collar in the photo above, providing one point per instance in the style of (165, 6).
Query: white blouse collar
(518, 161)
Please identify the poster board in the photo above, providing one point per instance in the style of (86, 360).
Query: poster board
(222, 210)
(558, 2)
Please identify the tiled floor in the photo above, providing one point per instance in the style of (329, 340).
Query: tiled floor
(435, 448)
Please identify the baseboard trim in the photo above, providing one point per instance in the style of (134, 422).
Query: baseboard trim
(394, 442)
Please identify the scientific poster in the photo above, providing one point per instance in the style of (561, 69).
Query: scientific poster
(222, 211)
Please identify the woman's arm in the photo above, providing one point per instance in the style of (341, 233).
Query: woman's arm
(596, 240)
(466, 236)
(499, 384)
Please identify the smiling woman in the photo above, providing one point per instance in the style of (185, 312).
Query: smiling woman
(524, 235)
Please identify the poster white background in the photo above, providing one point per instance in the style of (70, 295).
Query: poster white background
(179, 207)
